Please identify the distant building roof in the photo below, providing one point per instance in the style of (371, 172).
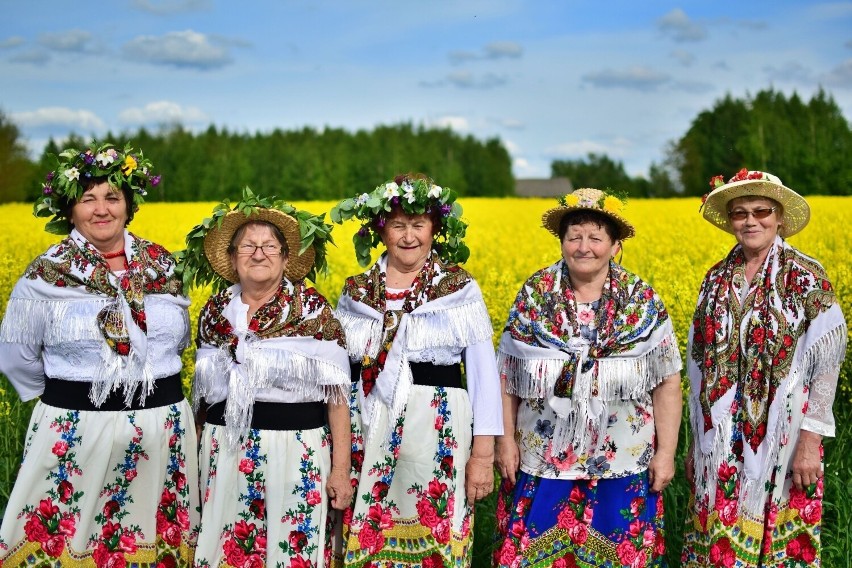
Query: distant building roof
(546, 187)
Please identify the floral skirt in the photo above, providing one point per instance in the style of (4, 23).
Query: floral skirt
(104, 489)
(265, 502)
(410, 507)
(579, 523)
(787, 535)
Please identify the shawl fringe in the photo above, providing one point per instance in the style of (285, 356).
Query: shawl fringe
(462, 325)
(363, 334)
(266, 368)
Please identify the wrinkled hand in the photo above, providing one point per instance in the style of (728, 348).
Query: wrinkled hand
(661, 471)
(479, 478)
(807, 461)
(508, 458)
(339, 488)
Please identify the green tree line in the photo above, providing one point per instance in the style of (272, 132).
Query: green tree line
(807, 144)
(295, 165)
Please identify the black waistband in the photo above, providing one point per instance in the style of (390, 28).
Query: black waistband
(276, 415)
(74, 395)
(427, 374)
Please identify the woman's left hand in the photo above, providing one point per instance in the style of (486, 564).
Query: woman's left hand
(807, 461)
(661, 471)
(339, 488)
(479, 478)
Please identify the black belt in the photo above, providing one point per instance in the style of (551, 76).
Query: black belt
(426, 374)
(276, 415)
(74, 395)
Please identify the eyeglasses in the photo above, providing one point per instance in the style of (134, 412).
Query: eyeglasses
(249, 250)
(742, 214)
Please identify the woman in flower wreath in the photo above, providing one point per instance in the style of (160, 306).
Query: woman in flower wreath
(96, 327)
(765, 349)
(422, 437)
(271, 386)
(592, 402)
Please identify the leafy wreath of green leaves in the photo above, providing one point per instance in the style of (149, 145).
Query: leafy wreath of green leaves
(415, 195)
(74, 167)
(193, 266)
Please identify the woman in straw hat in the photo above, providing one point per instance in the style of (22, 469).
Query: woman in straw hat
(765, 350)
(423, 439)
(271, 384)
(592, 402)
(96, 328)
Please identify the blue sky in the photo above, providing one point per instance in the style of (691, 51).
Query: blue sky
(551, 79)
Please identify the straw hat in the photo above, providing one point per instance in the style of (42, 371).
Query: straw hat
(747, 183)
(589, 199)
(219, 237)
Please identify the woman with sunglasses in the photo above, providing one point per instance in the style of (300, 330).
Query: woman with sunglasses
(765, 349)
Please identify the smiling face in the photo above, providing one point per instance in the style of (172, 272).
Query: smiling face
(587, 249)
(100, 215)
(258, 257)
(755, 234)
(408, 239)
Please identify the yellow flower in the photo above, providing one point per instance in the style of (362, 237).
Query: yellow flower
(129, 165)
(612, 204)
(571, 200)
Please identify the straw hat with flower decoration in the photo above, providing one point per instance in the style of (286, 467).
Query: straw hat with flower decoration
(206, 259)
(747, 183)
(590, 199)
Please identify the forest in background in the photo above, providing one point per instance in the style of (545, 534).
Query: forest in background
(808, 144)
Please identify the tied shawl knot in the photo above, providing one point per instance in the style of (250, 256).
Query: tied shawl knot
(292, 342)
(74, 269)
(543, 355)
(751, 344)
(443, 308)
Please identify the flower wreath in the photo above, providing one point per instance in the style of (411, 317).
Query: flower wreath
(415, 195)
(194, 267)
(122, 168)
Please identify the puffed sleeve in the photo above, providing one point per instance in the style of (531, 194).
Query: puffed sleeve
(22, 364)
(483, 385)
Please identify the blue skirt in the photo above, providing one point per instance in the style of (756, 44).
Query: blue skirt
(579, 523)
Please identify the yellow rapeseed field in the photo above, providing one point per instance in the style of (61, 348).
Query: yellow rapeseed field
(673, 248)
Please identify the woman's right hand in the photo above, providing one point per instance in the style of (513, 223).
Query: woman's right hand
(507, 457)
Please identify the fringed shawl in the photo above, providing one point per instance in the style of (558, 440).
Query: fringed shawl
(747, 358)
(74, 270)
(449, 312)
(542, 354)
(293, 342)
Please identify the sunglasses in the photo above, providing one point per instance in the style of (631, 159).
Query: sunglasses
(742, 214)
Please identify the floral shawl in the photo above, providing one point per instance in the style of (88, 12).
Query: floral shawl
(444, 307)
(311, 357)
(748, 352)
(73, 269)
(543, 355)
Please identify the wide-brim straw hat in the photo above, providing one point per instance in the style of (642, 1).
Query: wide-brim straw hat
(797, 212)
(218, 238)
(589, 199)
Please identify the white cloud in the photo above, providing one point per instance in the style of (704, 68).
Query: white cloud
(840, 76)
(456, 123)
(501, 49)
(162, 112)
(33, 56)
(467, 80)
(59, 116)
(680, 28)
(683, 57)
(580, 148)
(792, 72)
(181, 49)
(639, 77)
(74, 41)
(11, 41)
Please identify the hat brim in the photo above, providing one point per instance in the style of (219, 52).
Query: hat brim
(552, 217)
(797, 212)
(218, 239)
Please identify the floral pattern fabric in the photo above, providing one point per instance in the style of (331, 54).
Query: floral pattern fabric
(92, 479)
(579, 523)
(265, 503)
(764, 361)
